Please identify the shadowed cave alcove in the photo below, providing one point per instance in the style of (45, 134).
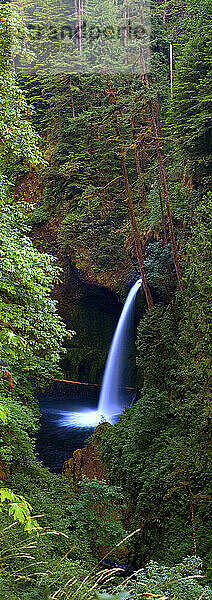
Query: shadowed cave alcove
(92, 311)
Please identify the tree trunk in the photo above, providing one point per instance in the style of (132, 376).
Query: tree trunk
(166, 196)
(171, 69)
(158, 118)
(164, 184)
(76, 22)
(162, 214)
(138, 166)
(143, 162)
(140, 169)
(136, 236)
(135, 231)
(80, 25)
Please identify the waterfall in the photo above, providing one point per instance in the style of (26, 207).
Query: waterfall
(111, 401)
(113, 394)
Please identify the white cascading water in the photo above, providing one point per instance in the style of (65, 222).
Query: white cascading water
(112, 400)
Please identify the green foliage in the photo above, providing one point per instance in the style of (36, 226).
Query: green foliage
(183, 581)
(29, 563)
(17, 432)
(190, 110)
(180, 581)
(18, 508)
(98, 503)
(15, 506)
(158, 449)
(87, 226)
(31, 331)
(158, 458)
(159, 446)
(3, 413)
(31, 339)
(19, 140)
(194, 339)
(157, 264)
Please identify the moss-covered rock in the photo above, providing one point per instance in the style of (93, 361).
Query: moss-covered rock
(87, 461)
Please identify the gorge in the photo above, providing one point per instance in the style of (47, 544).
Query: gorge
(105, 210)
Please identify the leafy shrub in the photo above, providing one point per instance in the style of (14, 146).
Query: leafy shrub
(181, 582)
(95, 517)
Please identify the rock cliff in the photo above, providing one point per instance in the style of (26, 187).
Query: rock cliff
(87, 461)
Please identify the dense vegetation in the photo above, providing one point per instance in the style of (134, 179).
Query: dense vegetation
(111, 172)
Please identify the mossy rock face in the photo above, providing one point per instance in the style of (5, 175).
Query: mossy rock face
(87, 461)
(89, 348)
